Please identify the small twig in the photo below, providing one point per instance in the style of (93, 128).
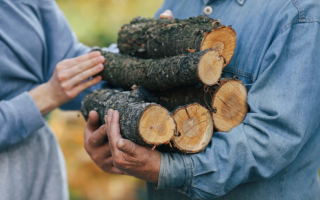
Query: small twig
(214, 110)
(235, 78)
(153, 148)
(177, 133)
(213, 23)
(135, 88)
(79, 114)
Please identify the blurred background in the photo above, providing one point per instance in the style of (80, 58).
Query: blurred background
(96, 22)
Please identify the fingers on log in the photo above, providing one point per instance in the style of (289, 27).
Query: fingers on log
(183, 55)
(146, 124)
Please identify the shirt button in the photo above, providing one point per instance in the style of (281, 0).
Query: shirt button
(207, 10)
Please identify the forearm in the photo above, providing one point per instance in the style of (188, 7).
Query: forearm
(239, 156)
(283, 117)
(19, 117)
(43, 99)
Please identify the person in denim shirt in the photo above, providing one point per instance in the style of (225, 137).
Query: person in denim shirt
(274, 152)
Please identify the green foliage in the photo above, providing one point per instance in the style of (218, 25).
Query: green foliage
(74, 195)
(97, 22)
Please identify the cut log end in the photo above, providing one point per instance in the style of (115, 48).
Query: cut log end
(219, 47)
(156, 125)
(210, 67)
(225, 35)
(230, 105)
(195, 127)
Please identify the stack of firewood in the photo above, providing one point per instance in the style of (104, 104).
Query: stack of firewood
(174, 68)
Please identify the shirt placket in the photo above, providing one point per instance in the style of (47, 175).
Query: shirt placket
(207, 8)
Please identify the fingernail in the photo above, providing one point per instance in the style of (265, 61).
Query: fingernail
(99, 67)
(96, 53)
(166, 14)
(121, 144)
(100, 58)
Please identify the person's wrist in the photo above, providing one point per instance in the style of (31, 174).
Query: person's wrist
(155, 163)
(43, 98)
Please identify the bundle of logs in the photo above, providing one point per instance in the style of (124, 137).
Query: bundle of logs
(174, 68)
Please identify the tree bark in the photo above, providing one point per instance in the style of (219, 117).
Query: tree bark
(143, 123)
(173, 98)
(229, 105)
(159, 38)
(162, 74)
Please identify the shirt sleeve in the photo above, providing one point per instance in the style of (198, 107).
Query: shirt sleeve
(19, 117)
(284, 115)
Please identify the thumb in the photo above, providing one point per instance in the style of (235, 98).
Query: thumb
(167, 14)
(93, 122)
(128, 147)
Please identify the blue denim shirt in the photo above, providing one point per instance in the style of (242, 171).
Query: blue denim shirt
(34, 37)
(274, 153)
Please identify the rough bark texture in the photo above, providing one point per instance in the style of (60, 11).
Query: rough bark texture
(176, 97)
(131, 108)
(157, 74)
(158, 38)
(173, 98)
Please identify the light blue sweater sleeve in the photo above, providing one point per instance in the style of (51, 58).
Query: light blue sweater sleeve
(19, 117)
(284, 115)
(34, 37)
